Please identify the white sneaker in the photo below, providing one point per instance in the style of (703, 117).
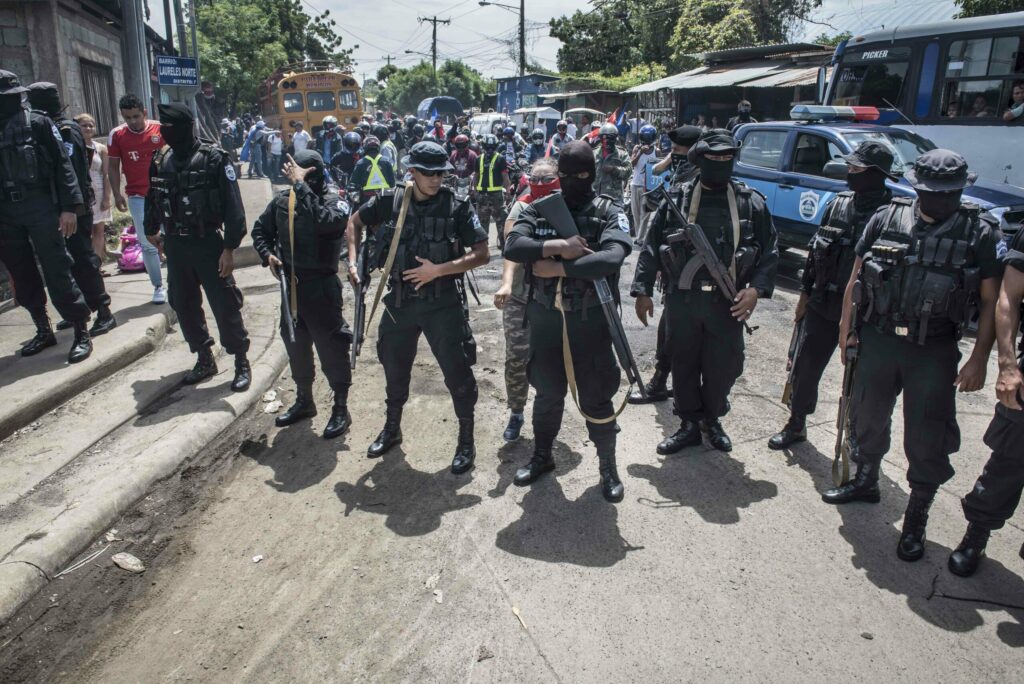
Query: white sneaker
(159, 295)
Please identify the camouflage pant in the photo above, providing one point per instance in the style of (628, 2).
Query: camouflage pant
(517, 353)
(491, 205)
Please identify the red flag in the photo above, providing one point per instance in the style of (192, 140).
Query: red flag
(614, 118)
(547, 152)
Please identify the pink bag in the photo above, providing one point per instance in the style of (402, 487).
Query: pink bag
(131, 252)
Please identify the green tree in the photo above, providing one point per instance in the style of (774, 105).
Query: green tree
(977, 8)
(593, 41)
(386, 72)
(832, 40)
(406, 88)
(707, 25)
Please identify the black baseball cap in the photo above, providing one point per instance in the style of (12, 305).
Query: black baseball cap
(872, 153)
(10, 84)
(427, 156)
(940, 170)
(685, 135)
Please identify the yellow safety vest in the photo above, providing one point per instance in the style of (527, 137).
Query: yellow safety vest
(491, 187)
(376, 179)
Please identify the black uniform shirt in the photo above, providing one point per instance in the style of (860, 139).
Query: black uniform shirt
(74, 144)
(378, 210)
(317, 218)
(46, 137)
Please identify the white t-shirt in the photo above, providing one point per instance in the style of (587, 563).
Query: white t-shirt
(640, 170)
(275, 143)
(300, 140)
(571, 129)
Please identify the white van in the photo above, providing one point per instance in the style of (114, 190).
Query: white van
(482, 124)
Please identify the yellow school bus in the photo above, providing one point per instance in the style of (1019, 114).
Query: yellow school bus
(306, 93)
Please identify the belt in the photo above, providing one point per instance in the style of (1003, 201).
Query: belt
(704, 286)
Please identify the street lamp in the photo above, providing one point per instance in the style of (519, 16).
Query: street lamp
(522, 29)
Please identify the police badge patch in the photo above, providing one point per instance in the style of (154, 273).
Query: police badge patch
(229, 171)
(343, 206)
(476, 221)
(70, 149)
(623, 223)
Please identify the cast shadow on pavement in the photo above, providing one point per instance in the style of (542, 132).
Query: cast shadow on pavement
(941, 598)
(514, 455)
(556, 530)
(412, 501)
(206, 397)
(712, 483)
(299, 456)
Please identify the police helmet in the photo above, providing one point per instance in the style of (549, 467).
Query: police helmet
(538, 135)
(351, 141)
(490, 143)
(609, 130)
(648, 134)
(461, 141)
(330, 122)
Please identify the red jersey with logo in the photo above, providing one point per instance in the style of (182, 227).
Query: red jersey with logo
(135, 150)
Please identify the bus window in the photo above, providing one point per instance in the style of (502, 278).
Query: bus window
(870, 85)
(292, 103)
(348, 99)
(980, 75)
(320, 101)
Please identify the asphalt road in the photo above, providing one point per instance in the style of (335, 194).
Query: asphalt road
(716, 567)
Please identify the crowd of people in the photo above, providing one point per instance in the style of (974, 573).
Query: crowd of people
(892, 281)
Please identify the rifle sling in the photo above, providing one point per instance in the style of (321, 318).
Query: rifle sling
(570, 372)
(292, 294)
(392, 250)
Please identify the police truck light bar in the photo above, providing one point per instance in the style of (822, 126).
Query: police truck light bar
(825, 113)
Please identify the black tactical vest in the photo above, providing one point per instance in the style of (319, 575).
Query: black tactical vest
(314, 251)
(21, 167)
(430, 233)
(577, 293)
(67, 130)
(188, 198)
(675, 253)
(832, 248)
(911, 283)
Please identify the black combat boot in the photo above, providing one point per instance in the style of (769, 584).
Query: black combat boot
(81, 347)
(863, 487)
(687, 435)
(44, 336)
(206, 367)
(911, 545)
(105, 322)
(656, 390)
(794, 431)
(965, 558)
(611, 486)
(304, 407)
(243, 374)
(465, 450)
(541, 462)
(64, 324)
(514, 427)
(341, 420)
(389, 436)
(716, 434)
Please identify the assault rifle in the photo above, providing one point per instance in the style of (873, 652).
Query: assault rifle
(841, 462)
(359, 305)
(796, 343)
(286, 302)
(704, 252)
(554, 210)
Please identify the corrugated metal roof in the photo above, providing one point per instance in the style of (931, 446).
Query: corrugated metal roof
(756, 52)
(671, 82)
(785, 78)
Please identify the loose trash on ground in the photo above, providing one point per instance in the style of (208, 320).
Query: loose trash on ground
(127, 561)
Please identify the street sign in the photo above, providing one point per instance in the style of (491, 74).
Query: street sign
(177, 71)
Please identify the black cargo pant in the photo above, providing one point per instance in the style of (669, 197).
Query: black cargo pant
(86, 267)
(706, 344)
(889, 365)
(30, 229)
(821, 338)
(597, 373)
(192, 269)
(442, 322)
(321, 323)
(997, 492)
(663, 353)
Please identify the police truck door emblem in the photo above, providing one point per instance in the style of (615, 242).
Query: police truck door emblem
(229, 171)
(809, 202)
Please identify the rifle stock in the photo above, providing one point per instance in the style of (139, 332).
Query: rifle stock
(286, 302)
(359, 306)
(796, 343)
(843, 448)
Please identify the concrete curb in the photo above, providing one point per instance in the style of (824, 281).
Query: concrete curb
(33, 564)
(104, 362)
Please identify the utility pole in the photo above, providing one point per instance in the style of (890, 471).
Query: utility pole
(522, 38)
(433, 43)
(389, 58)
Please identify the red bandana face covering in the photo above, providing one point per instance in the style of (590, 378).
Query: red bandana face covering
(538, 190)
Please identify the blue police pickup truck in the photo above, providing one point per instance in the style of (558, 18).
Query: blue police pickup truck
(798, 166)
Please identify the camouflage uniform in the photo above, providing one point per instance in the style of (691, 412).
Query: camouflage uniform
(613, 171)
(491, 206)
(517, 336)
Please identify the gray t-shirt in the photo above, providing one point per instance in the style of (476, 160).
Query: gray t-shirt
(519, 292)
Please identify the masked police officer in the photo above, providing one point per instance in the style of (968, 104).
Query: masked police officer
(598, 251)
(85, 269)
(922, 266)
(39, 197)
(311, 270)
(681, 170)
(705, 329)
(194, 200)
(425, 294)
(825, 276)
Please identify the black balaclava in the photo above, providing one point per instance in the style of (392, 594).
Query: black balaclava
(715, 174)
(576, 157)
(871, 180)
(176, 123)
(938, 205)
(9, 105)
(312, 158)
(44, 97)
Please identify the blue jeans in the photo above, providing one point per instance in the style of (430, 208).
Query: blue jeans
(256, 160)
(150, 255)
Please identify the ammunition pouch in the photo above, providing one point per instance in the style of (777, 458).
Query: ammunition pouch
(747, 257)
(430, 237)
(23, 167)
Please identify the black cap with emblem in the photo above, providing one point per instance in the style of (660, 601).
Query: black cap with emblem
(872, 153)
(685, 135)
(10, 84)
(940, 170)
(43, 96)
(427, 156)
(715, 141)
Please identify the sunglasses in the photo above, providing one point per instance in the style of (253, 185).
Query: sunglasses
(430, 174)
(542, 180)
(582, 175)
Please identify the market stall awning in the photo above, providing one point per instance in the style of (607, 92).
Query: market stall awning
(541, 112)
(785, 78)
(673, 82)
(757, 75)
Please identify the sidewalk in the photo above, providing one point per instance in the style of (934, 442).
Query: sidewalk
(82, 443)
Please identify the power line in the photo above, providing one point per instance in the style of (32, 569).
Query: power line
(433, 49)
